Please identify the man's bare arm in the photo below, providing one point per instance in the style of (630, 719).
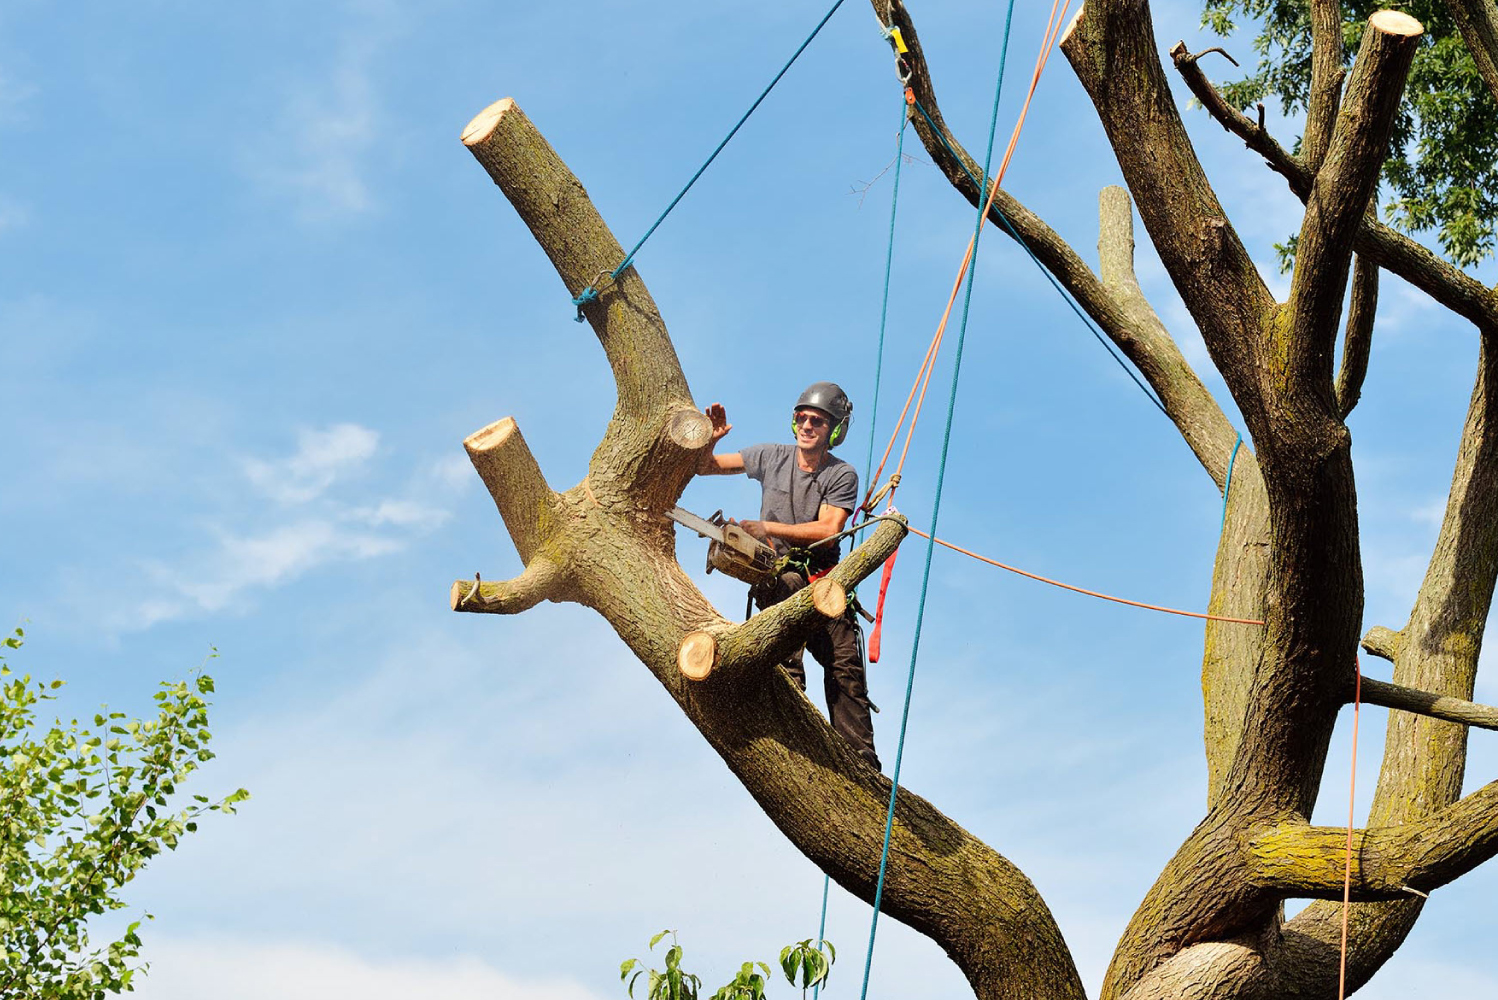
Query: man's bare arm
(830, 520)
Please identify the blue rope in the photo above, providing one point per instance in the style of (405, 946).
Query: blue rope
(1066, 297)
(590, 293)
(894, 788)
(816, 990)
(889, 259)
(1227, 482)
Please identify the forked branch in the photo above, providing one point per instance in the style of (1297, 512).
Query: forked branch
(1124, 317)
(1445, 283)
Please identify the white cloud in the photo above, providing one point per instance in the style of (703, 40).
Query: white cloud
(243, 970)
(273, 558)
(269, 547)
(400, 513)
(321, 458)
(317, 151)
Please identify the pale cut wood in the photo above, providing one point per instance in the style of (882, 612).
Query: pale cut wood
(829, 597)
(483, 123)
(696, 656)
(1396, 22)
(690, 429)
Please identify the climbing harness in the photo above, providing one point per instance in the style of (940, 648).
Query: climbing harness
(590, 293)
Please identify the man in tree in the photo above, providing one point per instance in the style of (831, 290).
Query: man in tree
(808, 495)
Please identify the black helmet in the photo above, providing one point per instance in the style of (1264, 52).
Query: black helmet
(831, 400)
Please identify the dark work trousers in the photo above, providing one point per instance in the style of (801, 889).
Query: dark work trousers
(835, 646)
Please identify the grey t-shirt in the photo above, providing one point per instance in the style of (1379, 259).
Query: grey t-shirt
(794, 497)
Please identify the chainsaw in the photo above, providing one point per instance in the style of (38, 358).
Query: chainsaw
(731, 549)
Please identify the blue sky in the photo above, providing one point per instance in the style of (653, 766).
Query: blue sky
(253, 295)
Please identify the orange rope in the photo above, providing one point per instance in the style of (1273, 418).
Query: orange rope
(1083, 590)
(928, 365)
(1357, 701)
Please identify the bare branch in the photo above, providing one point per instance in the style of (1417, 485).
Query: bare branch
(1326, 82)
(1342, 190)
(1131, 325)
(1357, 339)
(514, 480)
(556, 208)
(1386, 247)
(1253, 134)
(540, 581)
(1478, 22)
(1297, 859)
(1435, 706)
(1111, 47)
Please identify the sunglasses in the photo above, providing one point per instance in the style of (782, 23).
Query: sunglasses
(809, 419)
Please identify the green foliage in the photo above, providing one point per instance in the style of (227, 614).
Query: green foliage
(1443, 162)
(81, 813)
(802, 961)
(806, 962)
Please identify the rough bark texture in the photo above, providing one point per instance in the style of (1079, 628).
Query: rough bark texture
(1212, 925)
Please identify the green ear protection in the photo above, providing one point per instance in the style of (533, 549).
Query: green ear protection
(839, 431)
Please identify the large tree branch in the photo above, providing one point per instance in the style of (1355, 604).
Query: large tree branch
(1114, 302)
(1341, 193)
(1357, 339)
(1326, 81)
(655, 418)
(1436, 653)
(1384, 246)
(1478, 22)
(779, 630)
(1435, 706)
(1110, 45)
(1387, 861)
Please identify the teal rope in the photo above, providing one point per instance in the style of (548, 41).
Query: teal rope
(941, 471)
(590, 293)
(889, 259)
(1227, 482)
(1065, 296)
(816, 990)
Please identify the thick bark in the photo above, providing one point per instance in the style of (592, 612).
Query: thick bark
(1357, 340)
(1478, 22)
(1326, 81)
(606, 544)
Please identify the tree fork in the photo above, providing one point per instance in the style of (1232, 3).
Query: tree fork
(614, 548)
